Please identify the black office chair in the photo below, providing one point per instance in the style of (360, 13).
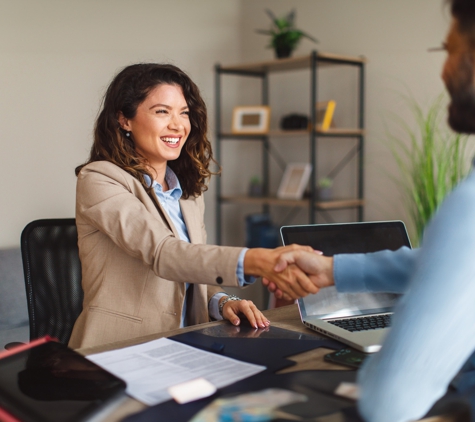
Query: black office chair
(52, 272)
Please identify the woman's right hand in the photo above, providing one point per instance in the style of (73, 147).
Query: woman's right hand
(319, 269)
(291, 280)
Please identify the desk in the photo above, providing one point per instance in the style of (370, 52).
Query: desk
(286, 317)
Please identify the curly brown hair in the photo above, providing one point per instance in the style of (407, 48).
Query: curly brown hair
(126, 92)
(464, 12)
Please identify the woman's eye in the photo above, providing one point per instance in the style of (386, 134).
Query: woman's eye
(187, 112)
(161, 111)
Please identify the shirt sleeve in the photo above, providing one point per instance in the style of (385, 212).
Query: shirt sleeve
(213, 306)
(433, 327)
(243, 279)
(383, 271)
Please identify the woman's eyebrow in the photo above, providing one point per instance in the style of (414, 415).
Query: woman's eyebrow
(159, 105)
(166, 106)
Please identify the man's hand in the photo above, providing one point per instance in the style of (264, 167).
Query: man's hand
(319, 269)
(233, 308)
(291, 280)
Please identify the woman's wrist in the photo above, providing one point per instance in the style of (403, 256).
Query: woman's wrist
(224, 300)
(253, 261)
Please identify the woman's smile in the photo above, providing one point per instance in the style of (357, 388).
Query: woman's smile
(171, 141)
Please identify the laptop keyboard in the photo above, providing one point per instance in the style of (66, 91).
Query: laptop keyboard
(363, 323)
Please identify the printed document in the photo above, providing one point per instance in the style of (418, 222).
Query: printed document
(150, 369)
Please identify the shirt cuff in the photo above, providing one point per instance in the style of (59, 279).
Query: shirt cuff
(348, 272)
(244, 279)
(213, 305)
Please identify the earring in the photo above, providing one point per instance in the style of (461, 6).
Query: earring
(128, 133)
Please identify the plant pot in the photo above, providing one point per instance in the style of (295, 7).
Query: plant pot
(283, 52)
(255, 190)
(325, 194)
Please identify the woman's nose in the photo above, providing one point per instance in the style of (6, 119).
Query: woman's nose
(175, 122)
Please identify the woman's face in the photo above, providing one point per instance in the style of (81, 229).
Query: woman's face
(160, 126)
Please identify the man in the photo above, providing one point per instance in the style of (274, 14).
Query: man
(433, 329)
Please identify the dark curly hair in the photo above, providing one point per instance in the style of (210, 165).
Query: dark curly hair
(464, 12)
(126, 92)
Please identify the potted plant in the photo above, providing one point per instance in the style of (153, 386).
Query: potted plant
(325, 188)
(431, 160)
(284, 36)
(255, 186)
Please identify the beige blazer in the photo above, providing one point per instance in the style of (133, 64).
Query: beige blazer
(133, 264)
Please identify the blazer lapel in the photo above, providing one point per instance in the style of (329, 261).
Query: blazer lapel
(164, 214)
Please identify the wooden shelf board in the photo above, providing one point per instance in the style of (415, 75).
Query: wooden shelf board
(293, 133)
(321, 205)
(293, 63)
(339, 203)
(329, 132)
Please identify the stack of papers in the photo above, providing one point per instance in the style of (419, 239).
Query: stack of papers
(150, 369)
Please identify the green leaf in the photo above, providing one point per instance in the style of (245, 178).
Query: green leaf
(283, 32)
(430, 158)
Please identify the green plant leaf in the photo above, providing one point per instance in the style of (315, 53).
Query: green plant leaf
(283, 32)
(290, 18)
(430, 159)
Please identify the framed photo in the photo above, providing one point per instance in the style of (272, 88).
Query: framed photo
(251, 120)
(294, 181)
(325, 111)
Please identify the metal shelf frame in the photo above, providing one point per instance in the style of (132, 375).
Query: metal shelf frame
(261, 71)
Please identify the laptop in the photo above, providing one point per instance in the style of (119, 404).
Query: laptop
(360, 320)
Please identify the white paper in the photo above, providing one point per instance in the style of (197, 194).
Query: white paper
(192, 390)
(150, 369)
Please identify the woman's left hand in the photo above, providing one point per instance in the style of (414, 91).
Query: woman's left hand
(233, 308)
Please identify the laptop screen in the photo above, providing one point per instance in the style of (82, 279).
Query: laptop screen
(334, 239)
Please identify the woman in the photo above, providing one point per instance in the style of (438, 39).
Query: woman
(139, 214)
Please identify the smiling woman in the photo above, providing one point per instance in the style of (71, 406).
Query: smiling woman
(140, 211)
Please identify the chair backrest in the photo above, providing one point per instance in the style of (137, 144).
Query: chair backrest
(52, 272)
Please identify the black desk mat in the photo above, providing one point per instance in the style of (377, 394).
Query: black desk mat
(319, 403)
(270, 347)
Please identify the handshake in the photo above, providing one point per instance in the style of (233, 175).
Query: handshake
(290, 272)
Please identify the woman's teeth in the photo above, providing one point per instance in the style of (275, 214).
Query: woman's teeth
(170, 140)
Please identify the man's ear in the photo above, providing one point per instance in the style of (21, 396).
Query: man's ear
(123, 121)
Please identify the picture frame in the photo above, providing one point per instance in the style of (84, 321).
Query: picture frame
(325, 111)
(251, 119)
(294, 181)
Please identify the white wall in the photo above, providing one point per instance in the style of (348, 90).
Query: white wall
(57, 57)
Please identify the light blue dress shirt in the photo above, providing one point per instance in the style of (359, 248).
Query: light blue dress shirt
(433, 328)
(169, 200)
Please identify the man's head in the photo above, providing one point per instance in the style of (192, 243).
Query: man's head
(458, 71)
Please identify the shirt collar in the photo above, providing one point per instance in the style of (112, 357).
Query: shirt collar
(174, 187)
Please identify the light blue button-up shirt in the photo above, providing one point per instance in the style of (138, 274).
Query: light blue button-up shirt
(433, 328)
(169, 200)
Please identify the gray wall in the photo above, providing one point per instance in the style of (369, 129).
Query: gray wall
(57, 57)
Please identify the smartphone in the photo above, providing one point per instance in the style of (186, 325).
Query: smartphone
(348, 357)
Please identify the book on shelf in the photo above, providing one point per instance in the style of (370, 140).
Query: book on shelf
(325, 111)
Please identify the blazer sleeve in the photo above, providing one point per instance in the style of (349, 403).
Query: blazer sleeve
(115, 203)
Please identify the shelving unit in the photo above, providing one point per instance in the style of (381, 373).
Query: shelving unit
(261, 70)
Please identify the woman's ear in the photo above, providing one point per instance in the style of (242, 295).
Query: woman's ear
(123, 121)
